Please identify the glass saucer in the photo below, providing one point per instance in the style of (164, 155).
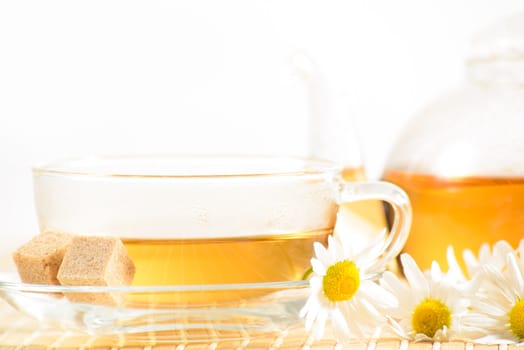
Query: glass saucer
(188, 313)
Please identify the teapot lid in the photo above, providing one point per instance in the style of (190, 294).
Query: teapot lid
(497, 52)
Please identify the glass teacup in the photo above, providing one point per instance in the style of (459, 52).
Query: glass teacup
(208, 220)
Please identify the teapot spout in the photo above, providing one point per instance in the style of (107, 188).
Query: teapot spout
(332, 133)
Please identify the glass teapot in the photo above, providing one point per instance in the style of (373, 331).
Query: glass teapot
(461, 160)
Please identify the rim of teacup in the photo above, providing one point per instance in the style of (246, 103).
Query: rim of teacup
(187, 166)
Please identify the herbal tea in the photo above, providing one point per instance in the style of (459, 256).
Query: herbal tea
(268, 258)
(463, 212)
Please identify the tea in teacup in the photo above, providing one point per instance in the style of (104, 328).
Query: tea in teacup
(261, 258)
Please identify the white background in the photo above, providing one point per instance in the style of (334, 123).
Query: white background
(111, 77)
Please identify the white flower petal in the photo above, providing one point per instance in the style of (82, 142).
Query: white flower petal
(336, 249)
(413, 274)
(420, 337)
(312, 314)
(502, 248)
(368, 309)
(340, 322)
(491, 308)
(514, 273)
(495, 340)
(455, 273)
(322, 254)
(471, 262)
(318, 267)
(392, 283)
(345, 245)
(397, 328)
(441, 334)
(520, 249)
(500, 284)
(484, 252)
(436, 273)
(320, 324)
(315, 283)
(305, 309)
(378, 295)
(331, 244)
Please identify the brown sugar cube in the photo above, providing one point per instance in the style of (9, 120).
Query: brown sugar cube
(96, 261)
(38, 260)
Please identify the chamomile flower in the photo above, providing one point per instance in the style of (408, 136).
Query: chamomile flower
(343, 291)
(498, 312)
(430, 306)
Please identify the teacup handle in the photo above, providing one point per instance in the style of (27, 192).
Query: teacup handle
(399, 201)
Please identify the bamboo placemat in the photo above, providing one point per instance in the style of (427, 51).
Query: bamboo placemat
(19, 332)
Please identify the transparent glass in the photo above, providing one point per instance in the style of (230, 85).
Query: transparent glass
(203, 220)
(460, 159)
(218, 242)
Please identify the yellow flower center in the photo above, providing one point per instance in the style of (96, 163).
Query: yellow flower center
(430, 316)
(341, 281)
(516, 319)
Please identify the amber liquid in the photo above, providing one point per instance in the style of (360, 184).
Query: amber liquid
(463, 212)
(267, 258)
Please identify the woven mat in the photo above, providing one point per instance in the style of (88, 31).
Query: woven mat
(18, 332)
